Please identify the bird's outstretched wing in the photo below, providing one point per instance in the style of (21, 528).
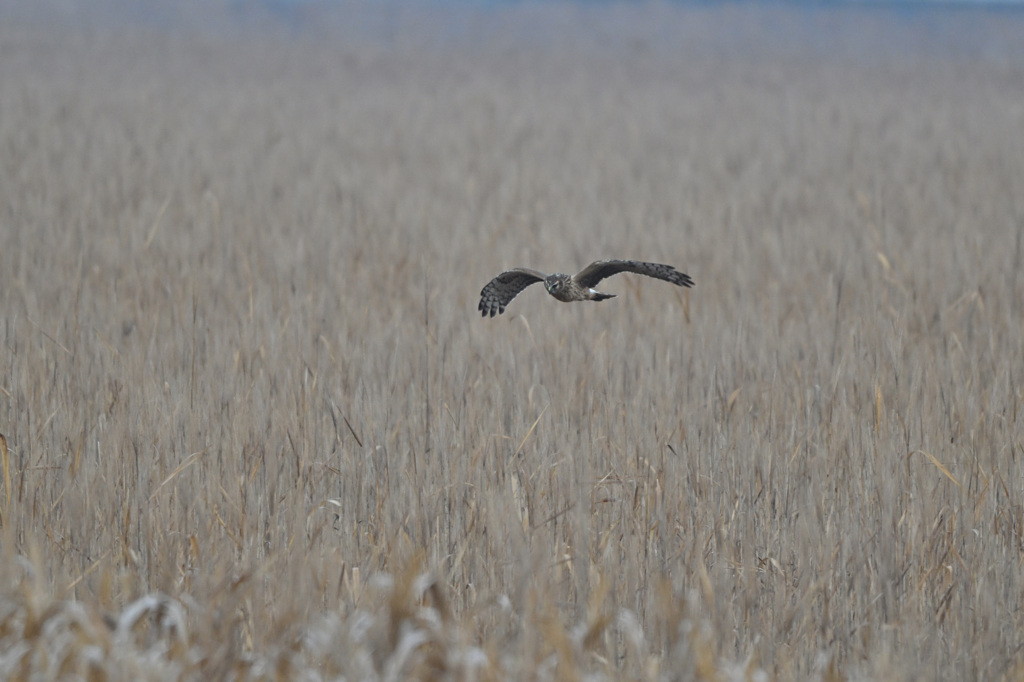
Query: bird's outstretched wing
(598, 270)
(500, 291)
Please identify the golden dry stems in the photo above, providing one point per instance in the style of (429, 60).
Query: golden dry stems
(250, 416)
(403, 633)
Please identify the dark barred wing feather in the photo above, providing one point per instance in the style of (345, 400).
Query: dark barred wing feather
(598, 270)
(500, 291)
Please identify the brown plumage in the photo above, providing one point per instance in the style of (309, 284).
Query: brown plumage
(500, 291)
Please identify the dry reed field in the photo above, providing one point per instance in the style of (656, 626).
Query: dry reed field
(255, 428)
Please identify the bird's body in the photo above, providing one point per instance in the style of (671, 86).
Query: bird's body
(567, 290)
(500, 291)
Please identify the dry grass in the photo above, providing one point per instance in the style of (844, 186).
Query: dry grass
(255, 428)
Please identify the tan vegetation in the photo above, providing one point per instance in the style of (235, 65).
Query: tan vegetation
(256, 429)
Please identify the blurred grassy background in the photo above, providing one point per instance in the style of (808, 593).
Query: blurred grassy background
(242, 365)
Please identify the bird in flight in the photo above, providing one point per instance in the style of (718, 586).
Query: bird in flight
(500, 291)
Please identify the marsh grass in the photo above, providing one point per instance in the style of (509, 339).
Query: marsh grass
(255, 428)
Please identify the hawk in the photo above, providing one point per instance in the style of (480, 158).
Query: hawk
(500, 291)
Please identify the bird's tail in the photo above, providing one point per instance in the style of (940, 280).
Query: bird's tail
(598, 296)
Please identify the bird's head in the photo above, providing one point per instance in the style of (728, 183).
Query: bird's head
(554, 282)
